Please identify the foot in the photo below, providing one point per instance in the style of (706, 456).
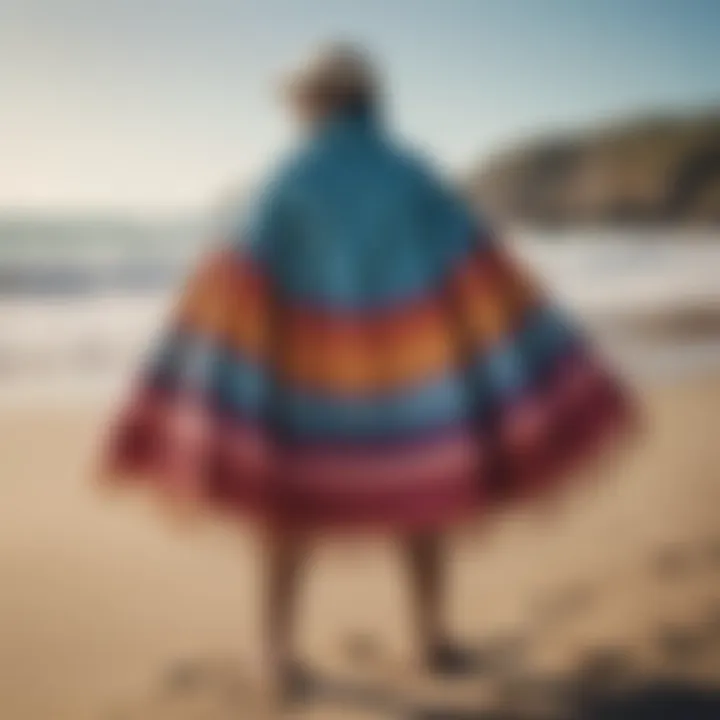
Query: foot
(449, 660)
(295, 684)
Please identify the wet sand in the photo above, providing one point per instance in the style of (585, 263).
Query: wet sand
(108, 612)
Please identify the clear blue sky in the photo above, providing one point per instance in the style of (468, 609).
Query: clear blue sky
(148, 104)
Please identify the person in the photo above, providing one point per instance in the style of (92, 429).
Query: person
(362, 353)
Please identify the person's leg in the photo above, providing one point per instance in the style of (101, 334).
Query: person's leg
(427, 564)
(284, 559)
(424, 557)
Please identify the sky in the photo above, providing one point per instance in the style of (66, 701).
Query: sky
(166, 105)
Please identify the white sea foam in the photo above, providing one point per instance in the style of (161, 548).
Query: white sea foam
(625, 274)
(82, 337)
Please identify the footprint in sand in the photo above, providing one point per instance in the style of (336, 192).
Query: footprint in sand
(491, 657)
(362, 649)
(185, 677)
(498, 656)
(711, 623)
(217, 687)
(535, 696)
(603, 670)
(672, 562)
(446, 714)
(564, 605)
(682, 644)
(712, 552)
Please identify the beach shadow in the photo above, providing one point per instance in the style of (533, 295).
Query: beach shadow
(497, 657)
(520, 693)
(661, 700)
(555, 699)
(606, 682)
(540, 698)
(658, 701)
(491, 657)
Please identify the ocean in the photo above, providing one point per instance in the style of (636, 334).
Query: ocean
(81, 297)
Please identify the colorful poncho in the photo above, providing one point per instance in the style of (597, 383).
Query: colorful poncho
(364, 352)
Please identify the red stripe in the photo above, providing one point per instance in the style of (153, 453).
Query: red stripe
(238, 468)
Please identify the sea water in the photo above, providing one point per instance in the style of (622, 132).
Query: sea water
(82, 297)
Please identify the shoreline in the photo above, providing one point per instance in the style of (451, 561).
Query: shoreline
(90, 358)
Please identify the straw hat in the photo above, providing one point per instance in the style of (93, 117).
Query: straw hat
(340, 68)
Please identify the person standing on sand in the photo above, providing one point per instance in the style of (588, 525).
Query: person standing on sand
(362, 354)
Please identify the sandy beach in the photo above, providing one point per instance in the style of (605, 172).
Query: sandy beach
(107, 612)
(353, 255)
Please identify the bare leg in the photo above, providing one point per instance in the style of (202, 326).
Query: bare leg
(425, 566)
(285, 556)
(426, 563)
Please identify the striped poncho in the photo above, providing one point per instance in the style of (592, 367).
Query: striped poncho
(363, 351)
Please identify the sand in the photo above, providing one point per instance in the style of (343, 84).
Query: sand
(108, 612)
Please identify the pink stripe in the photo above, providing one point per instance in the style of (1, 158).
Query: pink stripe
(238, 466)
(248, 449)
(576, 385)
(425, 463)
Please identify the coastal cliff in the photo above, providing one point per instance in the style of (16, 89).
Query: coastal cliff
(659, 170)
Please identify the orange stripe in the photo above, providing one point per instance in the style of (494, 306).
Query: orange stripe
(485, 297)
(229, 300)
